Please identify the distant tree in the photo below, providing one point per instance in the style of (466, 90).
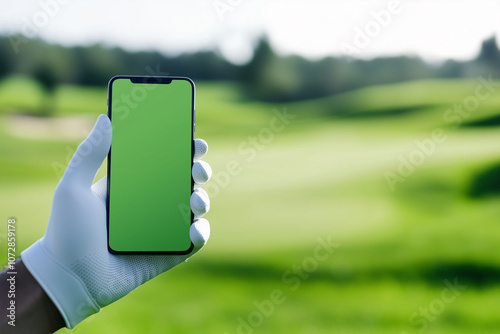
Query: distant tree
(489, 52)
(96, 65)
(450, 69)
(252, 74)
(268, 76)
(5, 57)
(262, 55)
(47, 79)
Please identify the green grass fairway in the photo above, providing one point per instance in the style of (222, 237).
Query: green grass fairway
(284, 186)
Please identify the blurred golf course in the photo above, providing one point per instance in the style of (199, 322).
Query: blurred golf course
(281, 188)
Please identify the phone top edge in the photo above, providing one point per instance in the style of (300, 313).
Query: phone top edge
(125, 76)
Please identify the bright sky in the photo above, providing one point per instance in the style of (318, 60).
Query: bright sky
(433, 29)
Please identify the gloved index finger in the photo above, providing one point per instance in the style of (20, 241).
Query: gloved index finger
(201, 172)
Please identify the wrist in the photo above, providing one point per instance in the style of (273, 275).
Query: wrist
(65, 289)
(29, 309)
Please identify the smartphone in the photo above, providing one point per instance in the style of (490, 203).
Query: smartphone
(149, 164)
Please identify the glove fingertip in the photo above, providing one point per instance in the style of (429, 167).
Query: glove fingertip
(200, 148)
(199, 232)
(200, 202)
(201, 172)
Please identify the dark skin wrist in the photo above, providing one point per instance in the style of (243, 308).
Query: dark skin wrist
(35, 313)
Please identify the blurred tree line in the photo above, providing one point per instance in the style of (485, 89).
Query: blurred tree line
(266, 77)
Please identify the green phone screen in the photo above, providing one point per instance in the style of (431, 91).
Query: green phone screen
(149, 164)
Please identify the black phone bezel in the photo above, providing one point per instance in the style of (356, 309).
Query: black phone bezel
(138, 79)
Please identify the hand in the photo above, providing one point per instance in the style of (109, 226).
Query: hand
(71, 261)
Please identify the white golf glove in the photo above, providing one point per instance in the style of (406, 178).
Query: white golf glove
(71, 261)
